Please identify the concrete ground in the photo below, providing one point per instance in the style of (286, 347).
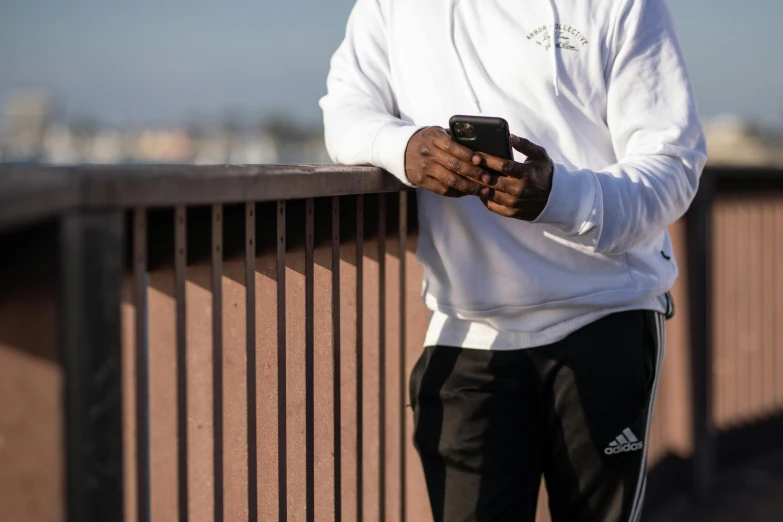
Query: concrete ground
(753, 493)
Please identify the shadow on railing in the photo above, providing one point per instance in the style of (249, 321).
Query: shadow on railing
(233, 342)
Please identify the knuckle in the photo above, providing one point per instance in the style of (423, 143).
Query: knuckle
(442, 190)
(448, 145)
(425, 166)
(452, 181)
(454, 164)
(424, 150)
(506, 167)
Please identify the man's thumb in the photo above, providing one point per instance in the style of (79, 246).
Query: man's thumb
(528, 148)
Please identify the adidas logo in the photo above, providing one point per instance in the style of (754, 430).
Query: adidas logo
(625, 442)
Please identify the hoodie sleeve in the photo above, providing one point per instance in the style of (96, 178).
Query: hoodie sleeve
(360, 111)
(657, 137)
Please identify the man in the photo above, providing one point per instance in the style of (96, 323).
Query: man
(548, 283)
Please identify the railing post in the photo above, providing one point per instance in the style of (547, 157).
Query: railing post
(699, 236)
(403, 376)
(91, 268)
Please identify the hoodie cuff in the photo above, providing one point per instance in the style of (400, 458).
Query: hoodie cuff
(388, 149)
(571, 200)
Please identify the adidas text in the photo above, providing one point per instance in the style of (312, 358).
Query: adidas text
(624, 448)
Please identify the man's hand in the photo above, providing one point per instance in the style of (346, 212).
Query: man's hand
(435, 162)
(522, 190)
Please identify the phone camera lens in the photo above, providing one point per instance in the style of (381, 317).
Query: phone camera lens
(464, 130)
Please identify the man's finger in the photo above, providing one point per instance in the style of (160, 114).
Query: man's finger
(455, 181)
(433, 185)
(459, 166)
(503, 166)
(526, 212)
(503, 198)
(507, 200)
(528, 148)
(508, 185)
(499, 209)
(461, 152)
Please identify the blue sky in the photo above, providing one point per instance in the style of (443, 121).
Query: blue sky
(160, 61)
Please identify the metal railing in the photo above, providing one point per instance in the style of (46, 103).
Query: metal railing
(234, 342)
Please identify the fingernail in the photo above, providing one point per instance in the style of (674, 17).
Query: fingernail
(476, 159)
(514, 138)
(486, 178)
(484, 192)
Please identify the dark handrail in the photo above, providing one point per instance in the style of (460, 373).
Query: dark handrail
(31, 192)
(34, 192)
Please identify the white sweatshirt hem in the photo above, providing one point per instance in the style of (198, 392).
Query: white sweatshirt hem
(444, 330)
(511, 310)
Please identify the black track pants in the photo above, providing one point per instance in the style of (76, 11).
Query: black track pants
(488, 424)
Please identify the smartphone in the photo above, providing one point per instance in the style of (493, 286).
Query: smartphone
(482, 134)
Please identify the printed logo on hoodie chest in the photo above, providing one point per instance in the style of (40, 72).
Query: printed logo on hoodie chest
(562, 36)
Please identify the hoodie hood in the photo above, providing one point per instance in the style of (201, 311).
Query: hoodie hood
(555, 65)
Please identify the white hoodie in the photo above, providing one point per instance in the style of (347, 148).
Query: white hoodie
(612, 104)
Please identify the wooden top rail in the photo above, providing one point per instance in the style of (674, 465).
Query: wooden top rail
(29, 193)
(34, 192)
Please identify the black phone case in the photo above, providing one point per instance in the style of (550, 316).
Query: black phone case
(492, 135)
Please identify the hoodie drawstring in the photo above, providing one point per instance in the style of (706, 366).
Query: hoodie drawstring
(553, 45)
(453, 30)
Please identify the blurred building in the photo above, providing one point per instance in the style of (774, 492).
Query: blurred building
(58, 145)
(732, 141)
(24, 118)
(229, 146)
(30, 133)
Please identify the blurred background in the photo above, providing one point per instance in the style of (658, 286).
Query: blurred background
(238, 82)
(195, 81)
